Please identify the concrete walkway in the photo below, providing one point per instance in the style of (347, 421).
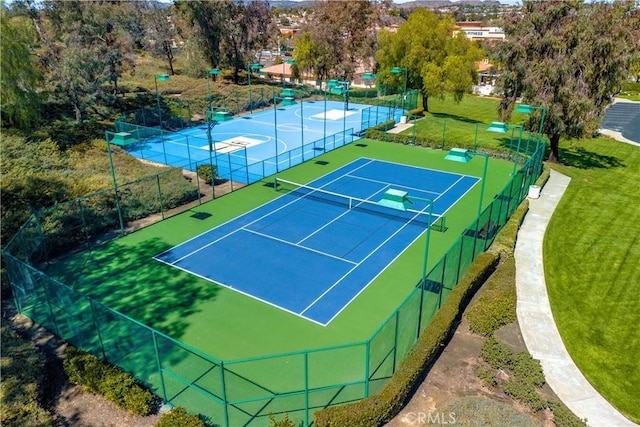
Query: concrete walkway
(536, 320)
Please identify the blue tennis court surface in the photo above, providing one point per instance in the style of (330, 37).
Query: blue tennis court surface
(311, 252)
(252, 146)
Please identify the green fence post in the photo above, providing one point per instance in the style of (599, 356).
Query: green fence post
(83, 220)
(415, 125)
(198, 184)
(97, 325)
(306, 388)
(223, 390)
(115, 184)
(444, 130)
(157, 353)
(367, 362)
(395, 340)
(160, 195)
(186, 137)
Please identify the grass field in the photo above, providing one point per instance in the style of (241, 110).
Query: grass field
(451, 124)
(592, 250)
(592, 259)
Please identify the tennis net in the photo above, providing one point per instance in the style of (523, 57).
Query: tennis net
(360, 205)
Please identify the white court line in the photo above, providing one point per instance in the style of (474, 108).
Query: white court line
(298, 246)
(339, 216)
(359, 263)
(252, 222)
(389, 185)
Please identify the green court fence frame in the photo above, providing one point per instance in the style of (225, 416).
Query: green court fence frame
(230, 392)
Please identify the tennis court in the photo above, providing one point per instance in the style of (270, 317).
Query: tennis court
(235, 355)
(275, 139)
(315, 248)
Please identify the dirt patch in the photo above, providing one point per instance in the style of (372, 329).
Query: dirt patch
(453, 376)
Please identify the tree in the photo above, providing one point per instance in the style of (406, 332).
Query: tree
(159, 33)
(338, 36)
(248, 29)
(19, 79)
(570, 58)
(81, 47)
(226, 32)
(438, 61)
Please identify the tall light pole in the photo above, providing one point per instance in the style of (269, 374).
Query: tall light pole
(115, 183)
(368, 77)
(288, 62)
(464, 156)
(275, 124)
(398, 70)
(211, 72)
(162, 78)
(339, 87)
(301, 123)
(499, 127)
(324, 137)
(250, 68)
(528, 109)
(344, 86)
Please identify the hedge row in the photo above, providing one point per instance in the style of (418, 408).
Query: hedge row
(101, 378)
(496, 304)
(381, 408)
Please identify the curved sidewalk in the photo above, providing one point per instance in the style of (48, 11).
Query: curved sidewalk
(536, 322)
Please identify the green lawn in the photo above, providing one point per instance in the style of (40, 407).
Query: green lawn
(592, 250)
(452, 124)
(592, 259)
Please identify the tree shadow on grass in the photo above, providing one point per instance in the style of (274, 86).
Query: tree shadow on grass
(581, 158)
(123, 276)
(126, 278)
(455, 117)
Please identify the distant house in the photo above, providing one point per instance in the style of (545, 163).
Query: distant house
(486, 78)
(475, 31)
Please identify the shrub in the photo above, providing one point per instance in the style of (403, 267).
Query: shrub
(208, 173)
(526, 368)
(525, 393)
(178, 417)
(526, 372)
(487, 376)
(496, 354)
(284, 422)
(101, 378)
(563, 417)
(496, 305)
(483, 411)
